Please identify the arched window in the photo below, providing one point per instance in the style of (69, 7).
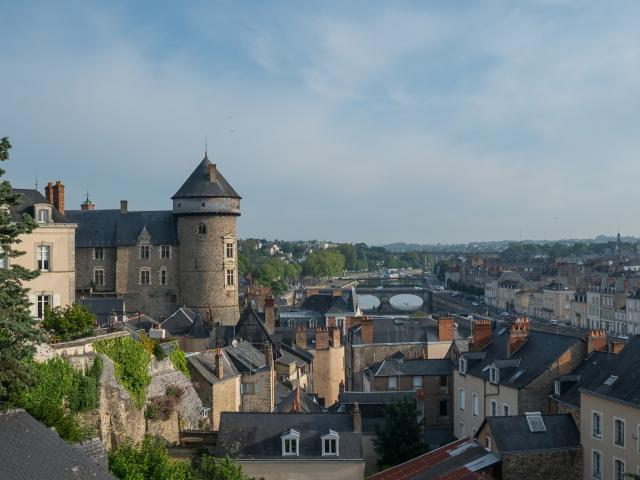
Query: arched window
(202, 229)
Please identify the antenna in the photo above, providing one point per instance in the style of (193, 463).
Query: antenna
(36, 183)
(205, 146)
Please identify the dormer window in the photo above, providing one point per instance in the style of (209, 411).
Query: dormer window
(494, 375)
(330, 444)
(290, 443)
(144, 252)
(556, 387)
(462, 366)
(43, 215)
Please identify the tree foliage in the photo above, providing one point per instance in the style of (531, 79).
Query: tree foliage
(324, 263)
(18, 330)
(179, 361)
(68, 323)
(400, 439)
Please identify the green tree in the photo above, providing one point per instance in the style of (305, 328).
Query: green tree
(68, 323)
(18, 330)
(400, 438)
(207, 467)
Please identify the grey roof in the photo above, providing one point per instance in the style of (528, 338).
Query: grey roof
(307, 404)
(198, 184)
(94, 449)
(29, 450)
(205, 364)
(111, 228)
(102, 308)
(29, 198)
(392, 367)
(258, 435)
(536, 355)
(376, 398)
(400, 329)
(512, 433)
(245, 356)
(185, 323)
(626, 386)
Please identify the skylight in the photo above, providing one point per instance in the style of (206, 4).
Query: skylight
(536, 424)
(611, 380)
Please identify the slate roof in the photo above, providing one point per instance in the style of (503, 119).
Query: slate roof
(626, 387)
(375, 398)
(307, 405)
(584, 375)
(102, 308)
(111, 228)
(401, 329)
(29, 198)
(245, 357)
(29, 450)
(198, 184)
(258, 435)
(205, 364)
(512, 433)
(536, 355)
(185, 323)
(392, 367)
(463, 459)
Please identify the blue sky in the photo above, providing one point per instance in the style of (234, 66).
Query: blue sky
(352, 121)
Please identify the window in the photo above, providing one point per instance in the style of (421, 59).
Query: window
(173, 298)
(444, 382)
(494, 408)
(231, 277)
(4, 259)
(98, 253)
(392, 383)
(250, 388)
(144, 251)
(618, 432)
(290, 442)
(556, 387)
(462, 365)
(417, 382)
(98, 277)
(145, 277)
(505, 410)
(475, 405)
(43, 257)
(229, 250)
(330, 443)
(461, 399)
(462, 431)
(43, 215)
(494, 375)
(202, 229)
(487, 443)
(596, 464)
(163, 276)
(638, 437)
(444, 408)
(596, 425)
(165, 251)
(44, 301)
(618, 469)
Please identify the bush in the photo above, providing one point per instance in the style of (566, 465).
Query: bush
(161, 408)
(158, 352)
(174, 391)
(85, 396)
(95, 371)
(179, 361)
(69, 323)
(131, 360)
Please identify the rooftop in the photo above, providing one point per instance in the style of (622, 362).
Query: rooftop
(30, 197)
(199, 184)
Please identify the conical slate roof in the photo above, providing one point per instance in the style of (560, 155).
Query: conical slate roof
(198, 184)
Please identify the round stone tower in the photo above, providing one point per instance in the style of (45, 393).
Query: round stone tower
(206, 207)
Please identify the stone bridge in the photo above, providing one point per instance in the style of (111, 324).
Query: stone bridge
(385, 294)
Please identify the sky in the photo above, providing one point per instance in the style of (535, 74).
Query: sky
(351, 121)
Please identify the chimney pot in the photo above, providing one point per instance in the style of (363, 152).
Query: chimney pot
(124, 206)
(445, 329)
(481, 334)
(322, 338)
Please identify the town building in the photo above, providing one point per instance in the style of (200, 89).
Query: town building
(579, 309)
(160, 260)
(556, 302)
(603, 299)
(633, 313)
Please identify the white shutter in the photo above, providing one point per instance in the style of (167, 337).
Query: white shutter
(33, 308)
(56, 299)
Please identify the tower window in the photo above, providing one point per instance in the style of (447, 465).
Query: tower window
(229, 250)
(163, 276)
(144, 251)
(165, 251)
(98, 277)
(231, 277)
(98, 253)
(202, 229)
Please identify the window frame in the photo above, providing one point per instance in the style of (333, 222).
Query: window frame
(494, 375)
(446, 403)
(229, 247)
(475, 405)
(43, 212)
(99, 256)
(41, 304)
(43, 264)
(624, 468)
(392, 383)
(413, 382)
(487, 443)
(289, 440)
(595, 452)
(506, 409)
(202, 229)
(165, 251)
(493, 408)
(146, 271)
(556, 387)
(144, 252)
(462, 366)
(462, 399)
(163, 275)
(593, 432)
(615, 432)
(95, 277)
(334, 440)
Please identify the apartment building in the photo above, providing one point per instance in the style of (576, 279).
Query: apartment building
(602, 302)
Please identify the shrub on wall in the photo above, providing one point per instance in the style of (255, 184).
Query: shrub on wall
(68, 323)
(131, 361)
(179, 361)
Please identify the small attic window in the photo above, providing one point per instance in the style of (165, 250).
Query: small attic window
(556, 387)
(43, 215)
(611, 380)
(290, 443)
(462, 366)
(536, 424)
(494, 375)
(330, 444)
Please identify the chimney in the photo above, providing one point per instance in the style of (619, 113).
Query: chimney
(336, 292)
(48, 192)
(335, 336)
(124, 206)
(322, 338)
(219, 366)
(57, 195)
(213, 174)
(445, 329)
(357, 419)
(270, 314)
(596, 341)
(366, 330)
(518, 334)
(296, 402)
(481, 334)
(268, 354)
(616, 347)
(341, 387)
(301, 336)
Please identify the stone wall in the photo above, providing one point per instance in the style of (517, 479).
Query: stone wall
(85, 264)
(263, 400)
(542, 465)
(226, 398)
(82, 346)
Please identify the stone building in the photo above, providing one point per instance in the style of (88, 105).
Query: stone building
(160, 260)
(50, 248)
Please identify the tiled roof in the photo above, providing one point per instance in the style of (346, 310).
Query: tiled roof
(199, 185)
(205, 364)
(425, 367)
(30, 197)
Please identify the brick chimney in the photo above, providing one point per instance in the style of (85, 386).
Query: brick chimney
(366, 330)
(518, 335)
(219, 365)
(270, 314)
(596, 341)
(55, 195)
(341, 387)
(616, 347)
(268, 354)
(357, 418)
(301, 336)
(445, 329)
(336, 335)
(481, 334)
(213, 173)
(124, 206)
(336, 292)
(322, 338)
(48, 192)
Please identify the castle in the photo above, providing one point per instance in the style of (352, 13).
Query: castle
(158, 261)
